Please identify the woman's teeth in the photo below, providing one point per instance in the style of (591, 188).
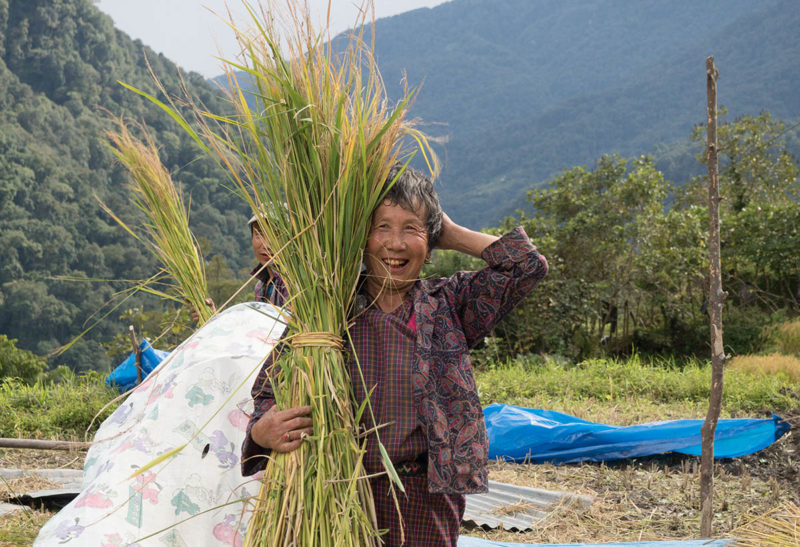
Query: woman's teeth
(394, 262)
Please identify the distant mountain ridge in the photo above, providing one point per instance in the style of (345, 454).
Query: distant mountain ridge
(527, 88)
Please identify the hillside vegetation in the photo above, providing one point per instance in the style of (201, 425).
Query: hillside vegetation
(60, 61)
(535, 95)
(528, 88)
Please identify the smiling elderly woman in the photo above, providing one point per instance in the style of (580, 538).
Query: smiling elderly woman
(412, 337)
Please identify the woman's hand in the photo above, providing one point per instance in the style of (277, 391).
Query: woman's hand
(196, 316)
(462, 239)
(282, 430)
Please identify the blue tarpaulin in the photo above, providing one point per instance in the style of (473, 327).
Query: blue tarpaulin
(526, 434)
(124, 376)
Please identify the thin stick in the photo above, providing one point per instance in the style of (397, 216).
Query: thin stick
(137, 354)
(35, 444)
(715, 298)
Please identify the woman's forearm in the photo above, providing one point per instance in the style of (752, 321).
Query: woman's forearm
(463, 240)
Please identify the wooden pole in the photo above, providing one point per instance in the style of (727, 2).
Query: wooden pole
(43, 445)
(715, 300)
(137, 352)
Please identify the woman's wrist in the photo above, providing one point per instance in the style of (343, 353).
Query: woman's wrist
(464, 240)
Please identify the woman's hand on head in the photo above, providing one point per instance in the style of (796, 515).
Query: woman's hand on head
(283, 430)
(461, 239)
(448, 237)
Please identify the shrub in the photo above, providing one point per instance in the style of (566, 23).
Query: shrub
(559, 385)
(786, 337)
(19, 363)
(47, 409)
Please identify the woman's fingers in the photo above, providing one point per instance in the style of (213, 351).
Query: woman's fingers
(297, 423)
(283, 430)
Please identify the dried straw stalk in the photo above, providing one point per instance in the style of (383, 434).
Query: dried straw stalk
(780, 527)
(311, 151)
(167, 232)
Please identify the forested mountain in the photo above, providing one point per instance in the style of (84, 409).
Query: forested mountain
(59, 64)
(524, 88)
(530, 87)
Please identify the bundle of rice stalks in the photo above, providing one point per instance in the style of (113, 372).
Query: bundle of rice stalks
(312, 142)
(320, 138)
(167, 234)
(780, 527)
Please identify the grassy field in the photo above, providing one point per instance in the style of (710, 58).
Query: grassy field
(644, 499)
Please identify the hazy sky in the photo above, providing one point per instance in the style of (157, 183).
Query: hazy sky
(187, 31)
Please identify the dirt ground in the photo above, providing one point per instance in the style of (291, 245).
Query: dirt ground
(633, 500)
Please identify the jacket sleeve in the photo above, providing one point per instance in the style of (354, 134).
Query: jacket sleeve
(482, 298)
(254, 456)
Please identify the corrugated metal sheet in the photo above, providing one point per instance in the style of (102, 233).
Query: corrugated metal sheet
(68, 478)
(515, 508)
(69, 481)
(466, 541)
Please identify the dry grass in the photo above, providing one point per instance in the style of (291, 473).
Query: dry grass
(645, 499)
(513, 508)
(648, 499)
(21, 527)
(786, 337)
(775, 363)
(14, 458)
(780, 527)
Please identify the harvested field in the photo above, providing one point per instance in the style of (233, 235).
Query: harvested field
(657, 498)
(644, 499)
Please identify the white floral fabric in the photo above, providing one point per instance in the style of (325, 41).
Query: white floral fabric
(198, 396)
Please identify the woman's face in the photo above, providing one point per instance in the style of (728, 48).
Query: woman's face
(396, 249)
(260, 249)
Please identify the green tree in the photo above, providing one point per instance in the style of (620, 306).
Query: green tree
(19, 363)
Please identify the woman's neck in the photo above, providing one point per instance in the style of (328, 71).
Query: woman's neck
(387, 299)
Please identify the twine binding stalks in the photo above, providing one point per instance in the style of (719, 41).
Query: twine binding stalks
(319, 136)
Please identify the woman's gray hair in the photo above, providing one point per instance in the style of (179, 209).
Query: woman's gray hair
(413, 190)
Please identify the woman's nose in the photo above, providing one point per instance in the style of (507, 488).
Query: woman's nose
(395, 240)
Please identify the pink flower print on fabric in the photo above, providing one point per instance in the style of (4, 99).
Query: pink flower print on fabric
(143, 486)
(112, 540)
(227, 533)
(94, 499)
(238, 419)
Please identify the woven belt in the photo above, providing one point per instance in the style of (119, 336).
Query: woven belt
(415, 467)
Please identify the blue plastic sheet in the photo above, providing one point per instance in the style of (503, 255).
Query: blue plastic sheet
(466, 541)
(124, 376)
(524, 434)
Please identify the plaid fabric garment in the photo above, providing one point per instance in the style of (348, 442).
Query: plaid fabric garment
(430, 520)
(384, 343)
(452, 314)
(268, 290)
